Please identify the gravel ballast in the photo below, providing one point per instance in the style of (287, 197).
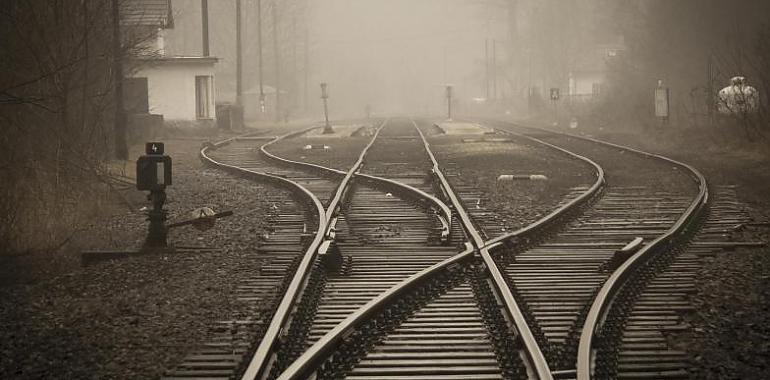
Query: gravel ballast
(135, 317)
(472, 165)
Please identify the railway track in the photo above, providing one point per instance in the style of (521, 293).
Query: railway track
(374, 227)
(295, 218)
(442, 322)
(558, 278)
(592, 304)
(638, 337)
(388, 298)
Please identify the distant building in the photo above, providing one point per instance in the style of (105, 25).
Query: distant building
(181, 88)
(589, 72)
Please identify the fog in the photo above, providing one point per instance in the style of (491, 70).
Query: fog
(501, 57)
(394, 56)
(398, 55)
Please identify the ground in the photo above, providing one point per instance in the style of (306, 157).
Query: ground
(135, 317)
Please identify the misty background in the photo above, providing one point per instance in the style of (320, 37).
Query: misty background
(63, 133)
(397, 56)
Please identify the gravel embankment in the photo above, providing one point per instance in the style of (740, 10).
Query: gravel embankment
(731, 325)
(477, 165)
(341, 154)
(136, 317)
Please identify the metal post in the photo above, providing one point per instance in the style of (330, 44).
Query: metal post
(157, 233)
(494, 69)
(121, 143)
(449, 102)
(486, 68)
(205, 27)
(277, 58)
(554, 96)
(324, 95)
(259, 55)
(238, 56)
(293, 87)
(306, 96)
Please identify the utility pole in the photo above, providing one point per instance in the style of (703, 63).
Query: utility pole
(277, 55)
(486, 67)
(259, 53)
(494, 69)
(121, 143)
(238, 56)
(449, 102)
(205, 27)
(293, 87)
(306, 96)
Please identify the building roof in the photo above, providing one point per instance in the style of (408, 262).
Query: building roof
(155, 13)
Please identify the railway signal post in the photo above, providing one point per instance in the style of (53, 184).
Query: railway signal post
(153, 173)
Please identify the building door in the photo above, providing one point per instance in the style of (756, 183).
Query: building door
(203, 97)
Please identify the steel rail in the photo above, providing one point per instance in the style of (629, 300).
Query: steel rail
(554, 215)
(444, 213)
(611, 288)
(492, 244)
(457, 204)
(609, 291)
(325, 346)
(274, 329)
(318, 352)
(260, 361)
(533, 352)
(300, 164)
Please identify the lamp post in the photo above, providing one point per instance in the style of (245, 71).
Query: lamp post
(324, 95)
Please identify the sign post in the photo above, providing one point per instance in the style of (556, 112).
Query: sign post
(662, 103)
(555, 101)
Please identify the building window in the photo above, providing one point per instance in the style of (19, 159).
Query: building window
(203, 100)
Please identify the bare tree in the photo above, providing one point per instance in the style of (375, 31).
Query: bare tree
(56, 102)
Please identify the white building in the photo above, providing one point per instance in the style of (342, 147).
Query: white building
(181, 88)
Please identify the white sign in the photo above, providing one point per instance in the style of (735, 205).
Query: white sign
(661, 102)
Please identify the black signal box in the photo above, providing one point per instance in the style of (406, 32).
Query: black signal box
(153, 171)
